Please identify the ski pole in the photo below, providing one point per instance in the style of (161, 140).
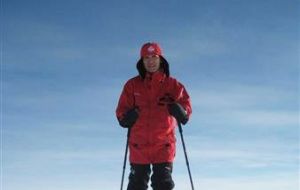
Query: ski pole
(185, 154)
(125, 158)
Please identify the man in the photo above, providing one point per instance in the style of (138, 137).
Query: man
(150, 105)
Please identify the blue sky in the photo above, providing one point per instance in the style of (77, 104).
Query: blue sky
(64, 64)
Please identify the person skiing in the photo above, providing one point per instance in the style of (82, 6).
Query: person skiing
(150, 106)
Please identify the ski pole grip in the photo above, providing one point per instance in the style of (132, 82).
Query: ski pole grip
(128, 133)
(180, 127)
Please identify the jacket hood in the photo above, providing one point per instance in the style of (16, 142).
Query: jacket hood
(164, 67)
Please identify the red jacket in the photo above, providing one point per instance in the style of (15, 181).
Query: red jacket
(152, 138)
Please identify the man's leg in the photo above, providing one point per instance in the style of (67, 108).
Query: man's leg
(139, 177)
(162, 176)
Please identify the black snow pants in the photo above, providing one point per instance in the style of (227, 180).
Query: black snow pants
(161, 178)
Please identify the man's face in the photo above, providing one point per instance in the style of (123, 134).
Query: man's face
(151, 63)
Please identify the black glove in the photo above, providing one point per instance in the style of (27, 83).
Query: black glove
(177, 111)
(129, 118)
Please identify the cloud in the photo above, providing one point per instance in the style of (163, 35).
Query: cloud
(283, 181)
(246, 157)
(103, 167)
(285, 119)
(236, 95)
(246, 105)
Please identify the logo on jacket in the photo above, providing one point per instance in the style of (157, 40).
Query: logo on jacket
(166, 99)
